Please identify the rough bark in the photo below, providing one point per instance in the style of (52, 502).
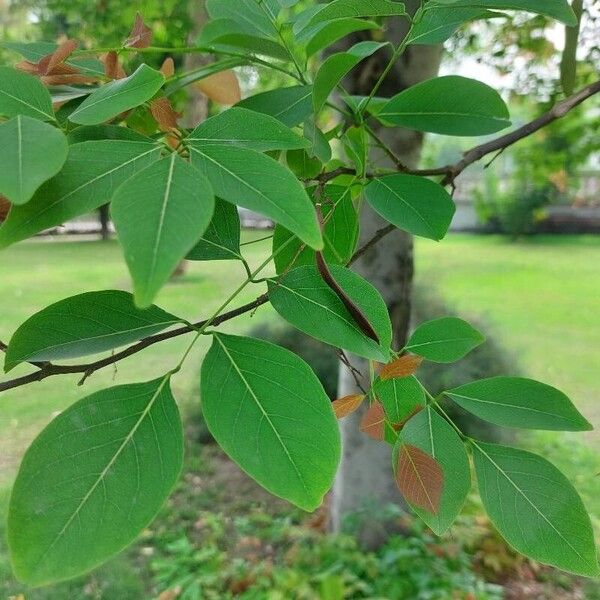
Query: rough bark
(364, 484)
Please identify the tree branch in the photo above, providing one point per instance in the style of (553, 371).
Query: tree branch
(450, 172)
(50, 369)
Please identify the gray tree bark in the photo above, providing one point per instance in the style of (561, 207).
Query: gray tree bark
(364, 485)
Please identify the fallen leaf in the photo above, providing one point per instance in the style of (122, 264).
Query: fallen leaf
(402, 367)
(168, 68)
(373, 421)
(141, 34)
(222, 87)
(420, 478)
(342, 407)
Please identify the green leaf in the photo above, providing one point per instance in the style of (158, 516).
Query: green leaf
(255, 181)
(116, 97)
(519, 402)
(24, 94)
(82, 325)
(438, 25)
(227, 33)
(160, 214)
(268, 411)
(341, 9)
(87, 181)
(247, 13)
(336, 67)
(318, 144)
(450, 105)
(291, 105)
(444, 340)
(93, 480)
(415, 204)
(221, 240)
(31, 152)
(88, 133)
(557, 9)
(400, 397)
(305, 301)
(322, 35)
(429, 432)
(233, 127)
(202, 73)
(340, 233)
(535, 508)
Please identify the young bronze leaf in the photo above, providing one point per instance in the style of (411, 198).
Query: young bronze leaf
(403, 367)
(168, 67)
(59, 56)
(342, 407)
(165, 114)
(141, 34)
(420, 478)
(373, 422)
(112, 66)
(222, 87)
(4, 208)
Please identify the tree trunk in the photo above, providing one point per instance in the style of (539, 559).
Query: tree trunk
(364, 485)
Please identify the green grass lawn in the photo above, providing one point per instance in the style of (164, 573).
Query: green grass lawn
(35, 274)
(540, 299)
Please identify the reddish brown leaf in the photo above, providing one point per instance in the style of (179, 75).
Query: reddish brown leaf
(165, 115)
(420, 478)
(4, 208)
(342, 407)
(416, 410)
(27, 67)
(403, 367)
(223, 87)
(373, 422)
(168, 68)
(112, 66)
(141, 34)
(67, 79)
(59, 56)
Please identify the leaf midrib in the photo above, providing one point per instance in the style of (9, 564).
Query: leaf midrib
(111, 462)
(263, 412)
(522, 493)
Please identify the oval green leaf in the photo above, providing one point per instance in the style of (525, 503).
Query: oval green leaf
(116, 97)
(535, 508)
(268, 411)
(444, 340)
(336, 67)
(341, 9)
(160, 214)
(291, 105)
(24, 94)
(400, 397)
(415, 204)
(221, 240)
(519, 402)
(557, 9)
(340, 233)
(450, 105)
(431, 433)
(31, 152)
(305, 301)
(93, 480)
(72, 328)
(247, 129)
(257, 182)
(81, 186)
